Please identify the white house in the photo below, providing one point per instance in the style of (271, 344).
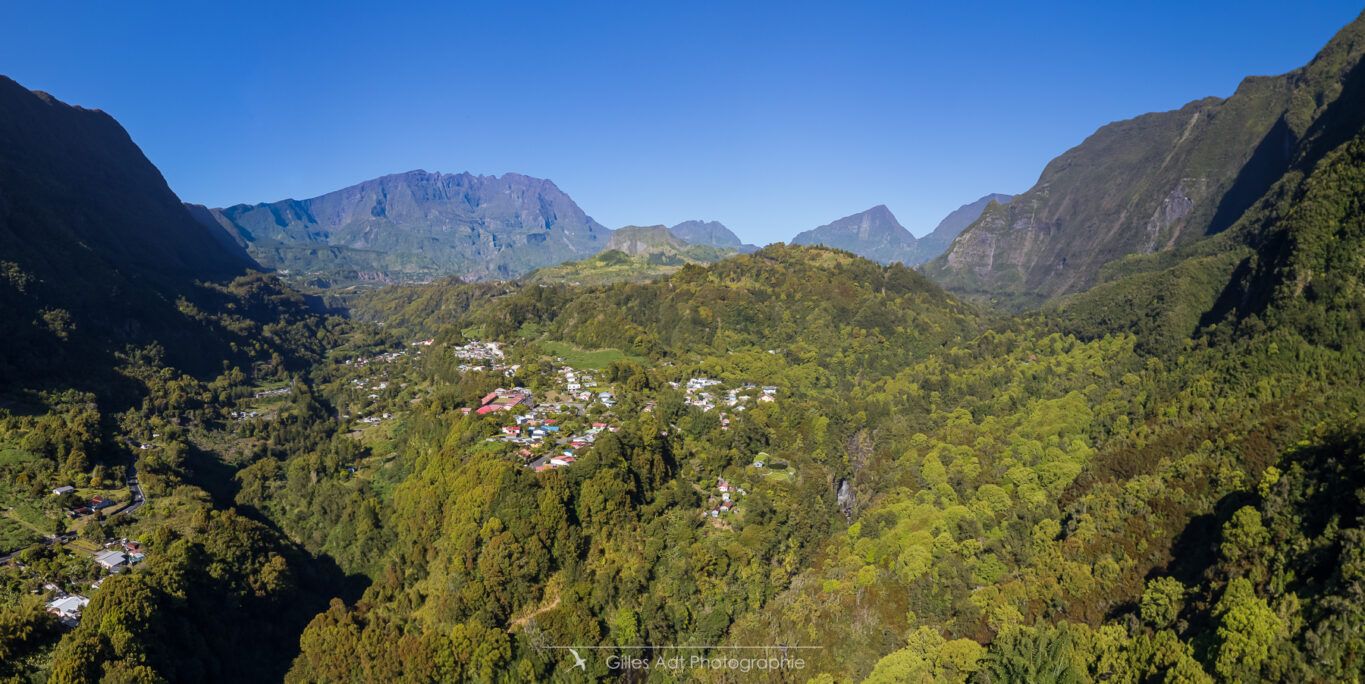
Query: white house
(111, 560)
(68, 609)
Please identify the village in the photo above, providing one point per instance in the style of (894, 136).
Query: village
(544, 434)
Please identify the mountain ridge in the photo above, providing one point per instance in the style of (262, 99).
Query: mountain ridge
(873, 233)
(416, 226)
(1146, 184)
(713, 233)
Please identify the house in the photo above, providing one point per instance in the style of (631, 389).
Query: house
(63, 490)
(100, 502)
(112, 560)
(504, 399)
(68, 609)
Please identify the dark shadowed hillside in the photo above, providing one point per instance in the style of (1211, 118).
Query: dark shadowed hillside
(99, 253)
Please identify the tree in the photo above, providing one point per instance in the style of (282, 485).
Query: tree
(1247, 631)
(1161, 601)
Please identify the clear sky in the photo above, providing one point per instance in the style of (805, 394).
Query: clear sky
(770, 117)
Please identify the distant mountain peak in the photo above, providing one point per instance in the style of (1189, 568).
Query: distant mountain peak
(418, 225)
(713, 233)
(873, 233)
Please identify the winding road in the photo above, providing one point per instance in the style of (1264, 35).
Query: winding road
(139, 499)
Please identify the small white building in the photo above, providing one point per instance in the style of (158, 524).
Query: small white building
(68, 609)
(112, 560)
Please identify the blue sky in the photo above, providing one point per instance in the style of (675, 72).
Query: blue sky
(770, 117)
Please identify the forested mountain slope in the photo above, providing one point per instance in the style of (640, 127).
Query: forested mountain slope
(126, 331)
(97, 250)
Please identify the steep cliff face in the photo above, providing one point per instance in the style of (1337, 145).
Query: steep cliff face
(418, 226)
(937, 242)
(1146, 184)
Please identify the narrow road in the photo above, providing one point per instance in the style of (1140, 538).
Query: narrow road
(136, 488)
(139, 499)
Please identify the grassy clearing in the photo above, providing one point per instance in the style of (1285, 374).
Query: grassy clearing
(580, 358)
(84, 546)
(15, 535)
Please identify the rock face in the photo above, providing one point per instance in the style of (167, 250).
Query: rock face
(713, 233)
(1146, 184)
(874, 234)
(935, 243)
(637, 240)
(418, 226)
(845, 499)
